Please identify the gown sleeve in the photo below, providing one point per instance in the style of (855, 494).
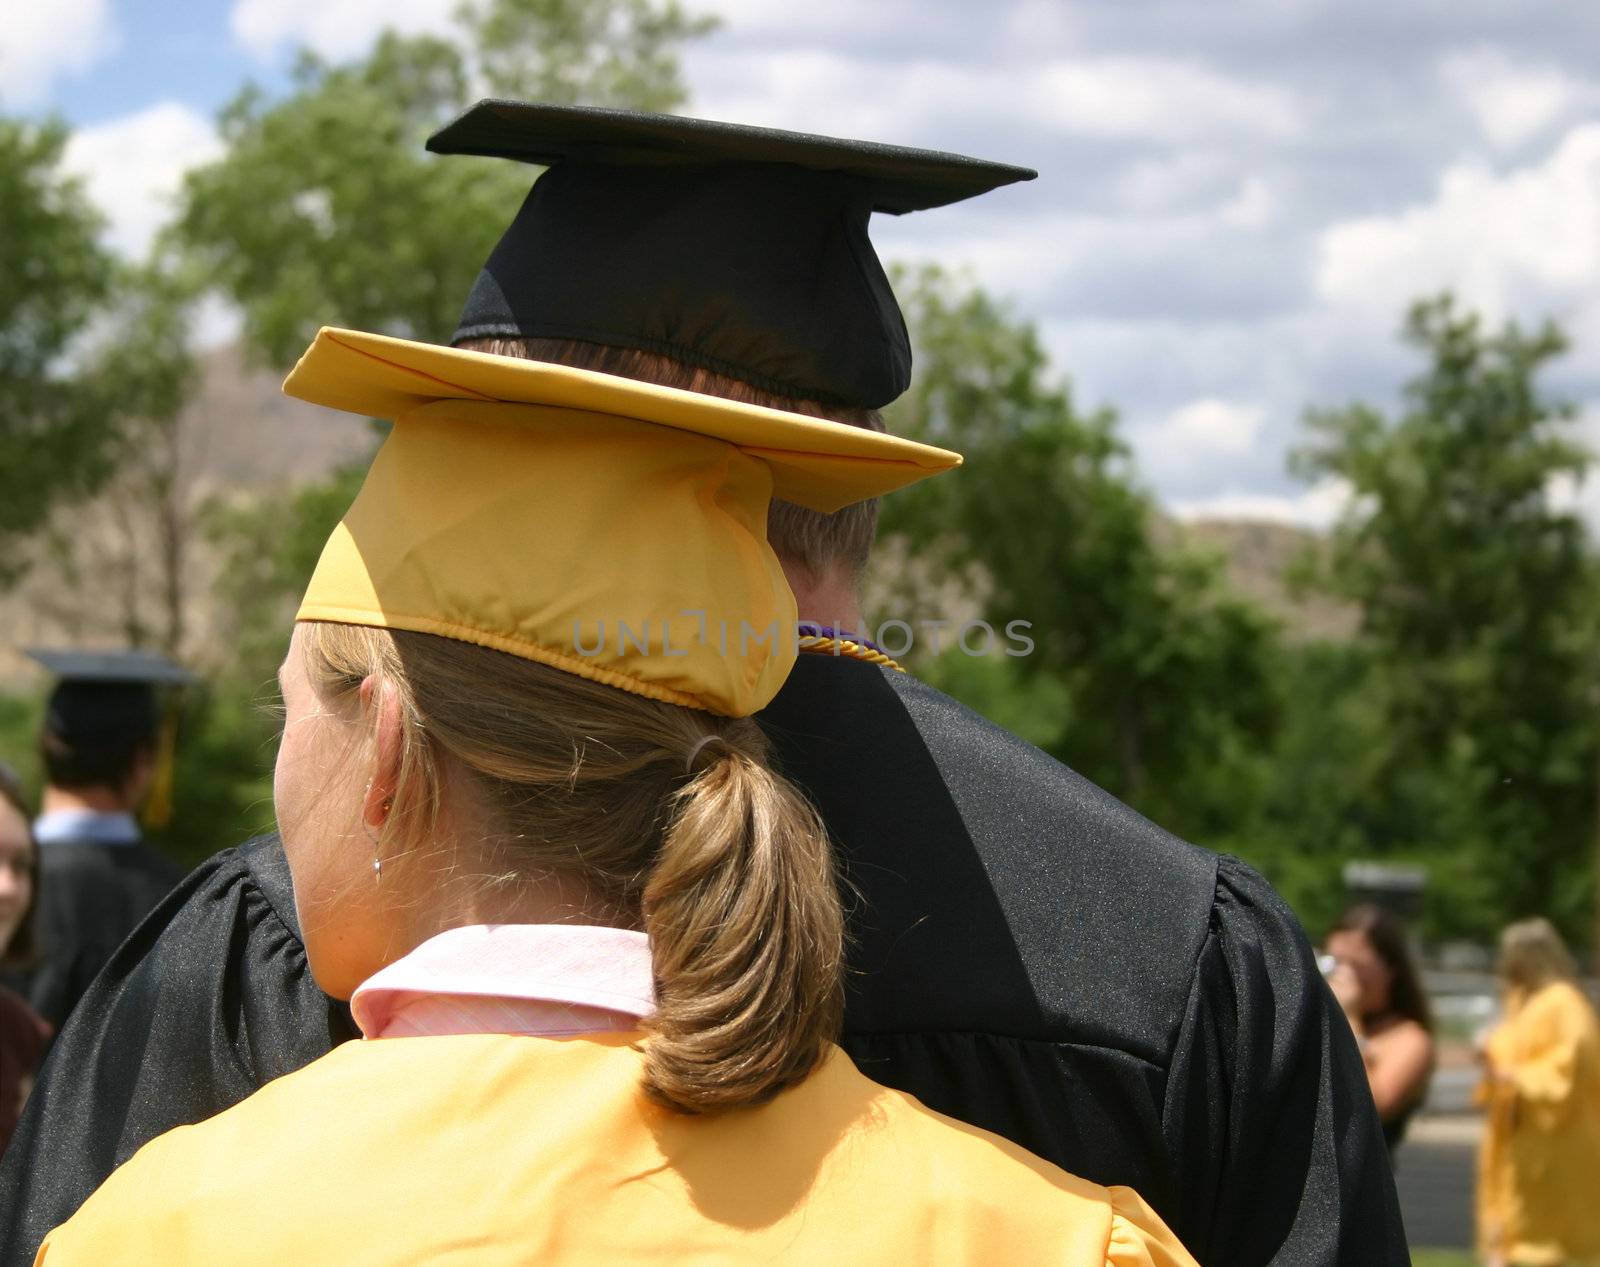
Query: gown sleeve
(1138, 1236)
(209, 998)
(1268, 1114)
(1544, 1070)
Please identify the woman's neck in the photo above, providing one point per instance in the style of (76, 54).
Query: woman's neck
(470, 894)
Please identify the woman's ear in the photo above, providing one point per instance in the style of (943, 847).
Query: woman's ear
(384, 705)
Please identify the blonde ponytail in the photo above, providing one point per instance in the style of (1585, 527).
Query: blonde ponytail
(746, 935)
(663, 815)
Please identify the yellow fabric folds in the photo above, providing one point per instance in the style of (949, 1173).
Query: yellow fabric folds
(493, 1150)
(610, 528)
(1540, 1157)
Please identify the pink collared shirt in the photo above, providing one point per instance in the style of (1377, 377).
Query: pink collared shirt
(549, 980)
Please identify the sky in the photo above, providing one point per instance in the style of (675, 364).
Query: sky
(1236, 201)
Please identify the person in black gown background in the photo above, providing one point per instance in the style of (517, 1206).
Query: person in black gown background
(1029, 954)
(99, 747)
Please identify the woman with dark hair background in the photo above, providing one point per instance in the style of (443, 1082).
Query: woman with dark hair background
(23, 1035)
(1377, 982)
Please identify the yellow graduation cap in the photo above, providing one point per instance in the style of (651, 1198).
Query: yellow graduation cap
(610, 528)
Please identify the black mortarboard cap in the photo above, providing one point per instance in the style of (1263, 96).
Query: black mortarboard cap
(106, 693)
(738, 249)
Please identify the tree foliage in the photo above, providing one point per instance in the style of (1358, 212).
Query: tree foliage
(269, 546)
(621, 53)
(145, 369)
(325, 208)
(1165, 675)
(1478, 610)
(53, 274)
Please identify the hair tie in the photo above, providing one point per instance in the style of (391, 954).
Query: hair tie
(694, 752)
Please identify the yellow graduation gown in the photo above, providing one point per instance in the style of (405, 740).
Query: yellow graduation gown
(493, 1149)
(1539, 1166)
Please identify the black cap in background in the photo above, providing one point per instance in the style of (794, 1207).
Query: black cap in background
(106, 693)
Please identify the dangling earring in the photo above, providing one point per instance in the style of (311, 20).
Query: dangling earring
(377, 859)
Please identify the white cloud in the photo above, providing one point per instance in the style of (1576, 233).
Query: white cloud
(817, 89)
(1172, 180)
(1503, 243)
(1512, 102)
(1255, 206)
(1216, 426)
(217, 322)
(1317, 507)
(1200, 444)
(1035, 23)
(1195, 263)
(133, 166)
(1157, 98)
(1126, 363)
(336, 29)
(789, 21)
(43, 42)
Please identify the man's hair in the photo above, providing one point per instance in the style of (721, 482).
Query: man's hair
(104, 760)
(817, 543)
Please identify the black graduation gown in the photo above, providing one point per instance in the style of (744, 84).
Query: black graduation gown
(1030, 955)
(91, 896)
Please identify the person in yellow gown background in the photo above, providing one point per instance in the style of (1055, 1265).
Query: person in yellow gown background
(1539, 1164)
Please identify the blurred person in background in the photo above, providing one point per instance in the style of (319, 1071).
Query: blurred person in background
(24, 1035)
(1539, 1165)
(101, 746)
(1375, 978)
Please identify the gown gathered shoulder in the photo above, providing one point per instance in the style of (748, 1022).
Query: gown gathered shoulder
(1029, 956)
(506, 1149)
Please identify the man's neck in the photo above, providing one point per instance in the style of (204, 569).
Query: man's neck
(97, 800)
(827, 600)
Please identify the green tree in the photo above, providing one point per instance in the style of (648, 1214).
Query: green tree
(621, 53)
(53, 275)
(1478, 608)
(268, 547)
(326, 210)
(1164, 675)
(119, 566)
(146, 371)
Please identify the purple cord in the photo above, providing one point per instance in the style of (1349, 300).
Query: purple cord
(810, 630)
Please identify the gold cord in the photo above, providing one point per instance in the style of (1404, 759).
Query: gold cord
(850, 650)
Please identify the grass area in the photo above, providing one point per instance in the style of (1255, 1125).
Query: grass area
(1442, 1258)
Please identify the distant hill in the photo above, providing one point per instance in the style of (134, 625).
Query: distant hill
(98, 569)
(246, 434)
(1257, 555)
(98, 573)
